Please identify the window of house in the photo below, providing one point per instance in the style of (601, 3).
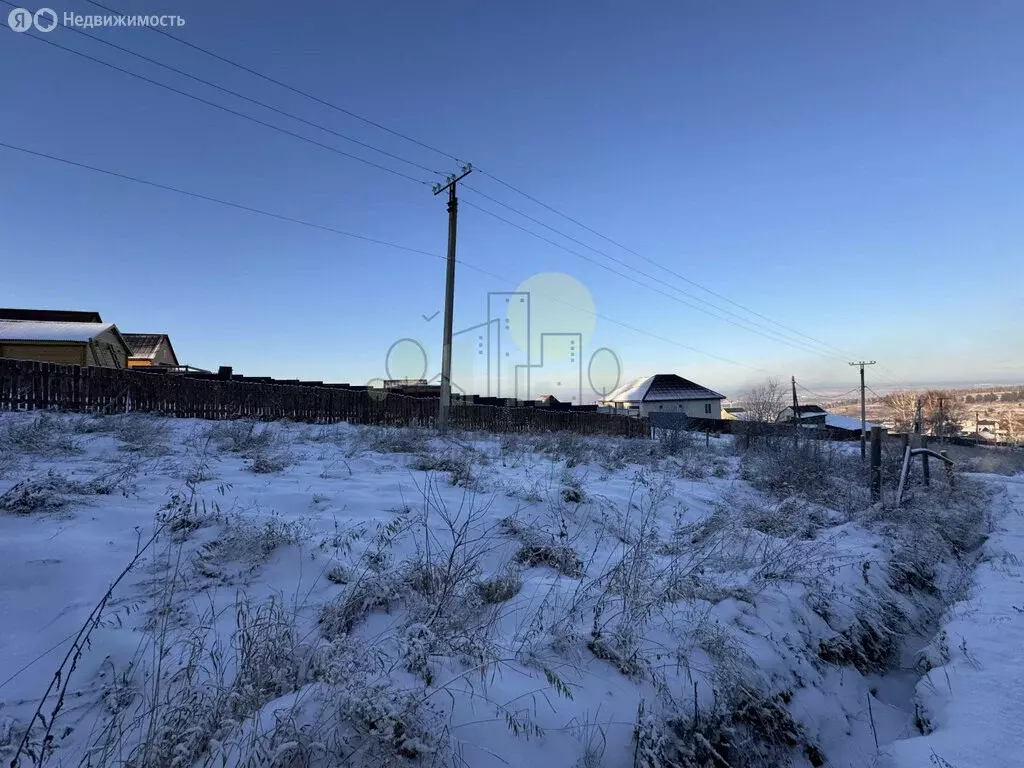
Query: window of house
(707, 408)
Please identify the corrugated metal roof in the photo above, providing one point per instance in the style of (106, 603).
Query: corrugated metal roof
(143, 344)
(29, 330)
(662, 387)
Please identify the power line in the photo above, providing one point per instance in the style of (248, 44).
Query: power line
(251, 100)
(291, 88)
(825, 397)
(869, 389)
(227, 109)
(333, 230)
(345, 154)
(748, 325)
(625, 275)
(655, 263)
(210, 199)
(450, 156)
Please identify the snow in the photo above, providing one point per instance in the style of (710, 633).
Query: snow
(31, 330)
(523, 681)
(639, 390)
(845, 422)
(974, 697)
(631, 392)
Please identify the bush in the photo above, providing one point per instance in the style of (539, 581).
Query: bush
(243, 437)
(396, 439)
(51, 491)
(562, 558)
(45, 435)
(500, 588)
(143, 433)
(371, 592)
(265, 463)
(818, 471)
(459, 467)
(244, 540)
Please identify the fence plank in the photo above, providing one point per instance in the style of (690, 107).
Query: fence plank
(27, 385)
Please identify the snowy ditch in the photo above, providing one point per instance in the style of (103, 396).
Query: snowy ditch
(348, 596)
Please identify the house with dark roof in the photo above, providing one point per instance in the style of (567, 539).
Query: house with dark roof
(50, 315)
(150, 350)
(810, 415)
(665, 393)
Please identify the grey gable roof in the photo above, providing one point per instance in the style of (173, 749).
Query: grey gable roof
(662, 387)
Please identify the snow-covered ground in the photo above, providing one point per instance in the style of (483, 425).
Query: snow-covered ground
(322, 596)
(971, 698)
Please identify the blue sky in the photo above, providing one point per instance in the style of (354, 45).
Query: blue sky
(852, 171)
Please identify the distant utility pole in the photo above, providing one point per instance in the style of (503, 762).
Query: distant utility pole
(863, 411)
(796, 418)
(449, 295)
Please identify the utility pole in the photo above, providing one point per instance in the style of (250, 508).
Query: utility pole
(796, 418)
(863, 411)
(449, 295)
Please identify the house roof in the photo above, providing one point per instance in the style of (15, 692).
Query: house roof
(50, 315)
(809, 410)
(29, 330)
(846, 422)
(548, 399)
(662, 386)
(145, 345)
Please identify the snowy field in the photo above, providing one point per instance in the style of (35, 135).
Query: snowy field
(185, 593)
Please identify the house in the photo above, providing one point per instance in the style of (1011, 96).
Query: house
(810, 415)
(150, 350)
(50, 315)
(665, 393)
(548, 401)
(67, 343)
(835, 423)
(734, 413)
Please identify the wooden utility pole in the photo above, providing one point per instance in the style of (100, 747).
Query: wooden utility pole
(876, 464)
(449, 295)
(922, 440)
(863, 411)
(796, 418)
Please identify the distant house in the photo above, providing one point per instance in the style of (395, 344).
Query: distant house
(810, 415)
(846, 423)
(665, 393)
(150, 350)
(67, 343)
(734, 413)
(548, 400)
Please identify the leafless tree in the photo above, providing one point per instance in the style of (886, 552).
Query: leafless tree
(901, 408)
(944, 412)
(762, 405)
(765, 401)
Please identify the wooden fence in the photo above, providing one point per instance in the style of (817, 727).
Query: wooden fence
(30, 385)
